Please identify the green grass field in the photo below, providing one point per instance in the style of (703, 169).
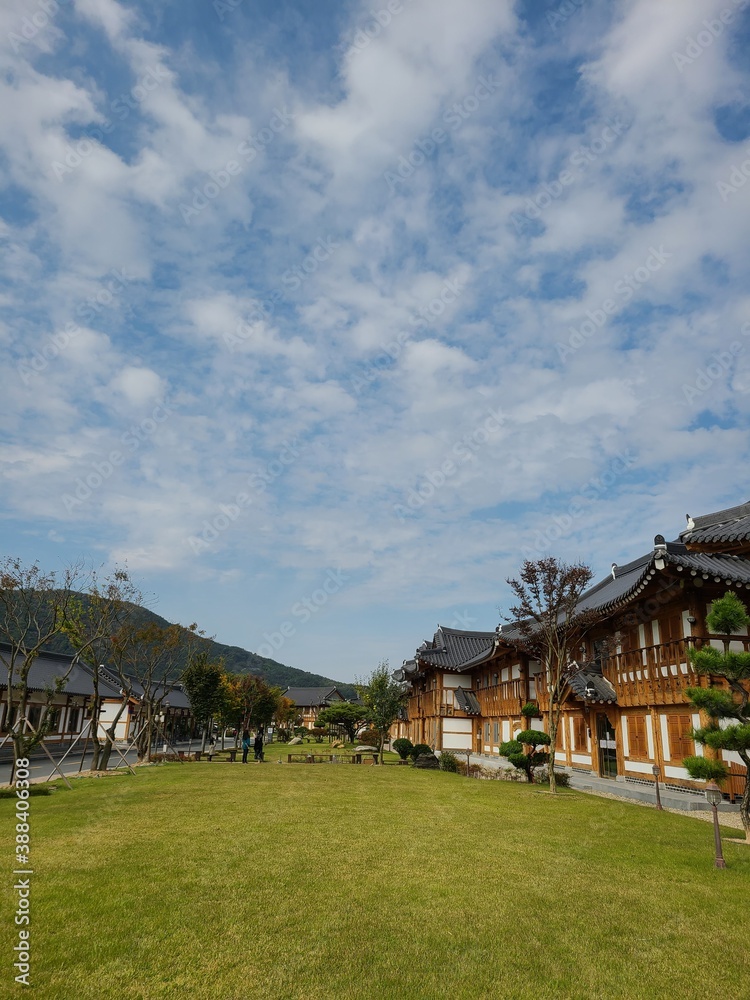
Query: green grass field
(228, 882)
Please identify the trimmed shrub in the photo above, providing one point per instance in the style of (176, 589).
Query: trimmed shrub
(448, 761)
(418, 750)
(531, 711)
(402, 747)
(369, 738)
(512, 746)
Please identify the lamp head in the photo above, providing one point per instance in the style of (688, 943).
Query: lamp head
(713, 793)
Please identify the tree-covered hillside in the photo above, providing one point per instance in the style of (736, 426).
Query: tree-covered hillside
(236, 660)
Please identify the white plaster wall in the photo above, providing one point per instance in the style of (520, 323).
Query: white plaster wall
(457, 725)
(696, 725)
(625, 740)
(456, 681)
(456, 741)
(580, 758)
(650, 736)
(638, 765)
(677, 772)
(664, 737)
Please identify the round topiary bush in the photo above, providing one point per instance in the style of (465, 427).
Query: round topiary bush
(419, 750)
(402, 747)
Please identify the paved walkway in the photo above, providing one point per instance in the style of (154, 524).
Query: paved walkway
(670, 798)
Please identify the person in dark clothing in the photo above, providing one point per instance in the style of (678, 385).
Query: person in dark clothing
(245, 745)
(258, 745)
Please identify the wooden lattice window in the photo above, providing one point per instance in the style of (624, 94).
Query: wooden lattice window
(579, 733)
(680, 742)
(637, 739)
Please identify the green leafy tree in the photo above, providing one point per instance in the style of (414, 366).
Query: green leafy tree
(383, 698)
(204, 682)
(529, 758)
(350, 717)
(728, 616)
(258, 701)
(551, 627)
(287, 714)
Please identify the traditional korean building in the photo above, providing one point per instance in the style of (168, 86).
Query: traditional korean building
(68, 704)
(312, 701)
(64, 692)
(625, 709)
(726, 531)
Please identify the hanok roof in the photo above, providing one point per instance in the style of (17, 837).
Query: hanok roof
(725, 530)
(173, 696)
(452, 649)
(626, 582)
(467, 701)
(47, 672)
(313, 697)
(589, 684)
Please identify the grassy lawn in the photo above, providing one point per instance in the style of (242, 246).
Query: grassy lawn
(228, 882)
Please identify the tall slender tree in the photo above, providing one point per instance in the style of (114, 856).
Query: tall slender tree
(204, 682)
(92, 621)
(550, 626)
(383, 698)
(147, 659)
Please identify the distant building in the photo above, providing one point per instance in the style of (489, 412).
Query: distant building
(312, 701)
(70, 708)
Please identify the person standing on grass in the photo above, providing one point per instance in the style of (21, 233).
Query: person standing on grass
(245, 745)
(258, 746)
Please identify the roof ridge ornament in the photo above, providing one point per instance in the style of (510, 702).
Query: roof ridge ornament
(660, 551)
(690, 522)
(614, 574)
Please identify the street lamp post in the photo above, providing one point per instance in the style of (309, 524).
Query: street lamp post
(714, 797)
(656, 773)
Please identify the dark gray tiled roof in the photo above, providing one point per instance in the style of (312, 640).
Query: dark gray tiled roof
(626, 582)
(731, 526)
(590, 677)
(313, 697)
(174, 696)
(467, 701)
(48, 668)
(453, 649)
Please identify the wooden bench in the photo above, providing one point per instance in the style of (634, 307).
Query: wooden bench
(324, 758)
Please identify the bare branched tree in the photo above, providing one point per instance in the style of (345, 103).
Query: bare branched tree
(550, 626)
(34, 606)
(92, 622)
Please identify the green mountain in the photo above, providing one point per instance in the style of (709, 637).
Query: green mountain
(236, 660)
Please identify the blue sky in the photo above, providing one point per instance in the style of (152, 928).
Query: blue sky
(322, 317)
